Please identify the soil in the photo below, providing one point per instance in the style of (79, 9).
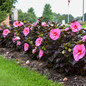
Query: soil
(21, 58)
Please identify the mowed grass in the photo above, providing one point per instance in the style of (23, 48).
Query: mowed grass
(69, 26)
(83, 26)
(11, 74)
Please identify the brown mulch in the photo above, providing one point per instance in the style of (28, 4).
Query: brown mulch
(21, 58)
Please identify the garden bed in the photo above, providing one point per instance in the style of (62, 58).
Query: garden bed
(21, 58)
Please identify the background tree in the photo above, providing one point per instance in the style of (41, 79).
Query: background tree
(27, 16)
(71, 18)
(3, 15)
(31, 14)
(59, 18)
(20, 15)
(5, 8)
(47, 13)
(55, 17)
(79, 18)
(31, 10)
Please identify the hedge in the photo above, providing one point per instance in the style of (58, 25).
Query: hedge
(63, 49)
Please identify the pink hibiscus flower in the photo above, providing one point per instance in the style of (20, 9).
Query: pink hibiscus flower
(38, 41)
(55, 34)
(1, 28)
(67, 29)
(49, 23)
(21, 24)
(27, 62)
(85, 28)
(18, 43)
(26, 31)
(40, 53)
(78, 52)
(36, 22)
(5, 32)
(72, 34)
(16, 24)
(35, 47)
(44, 24)
(75, 27)
(16, 39)
(84, 38)
(26, 46)
(34, 50)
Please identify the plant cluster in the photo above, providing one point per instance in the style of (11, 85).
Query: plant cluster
(61, 48)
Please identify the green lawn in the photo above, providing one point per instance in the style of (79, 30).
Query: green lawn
(83, 26)
(69, 25)
(11, 74)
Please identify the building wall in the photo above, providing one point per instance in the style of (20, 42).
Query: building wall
(6, 21)
(14, 14)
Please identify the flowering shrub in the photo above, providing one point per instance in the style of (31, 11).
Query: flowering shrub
(59, 47)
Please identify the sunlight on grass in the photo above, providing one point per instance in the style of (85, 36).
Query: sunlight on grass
(11, 74)
(83, 26)
(69, 26)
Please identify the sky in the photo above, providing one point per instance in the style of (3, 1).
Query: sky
(57, 6)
